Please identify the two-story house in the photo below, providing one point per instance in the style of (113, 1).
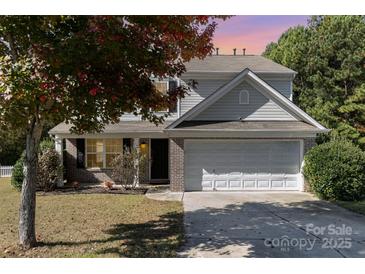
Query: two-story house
(237, 130)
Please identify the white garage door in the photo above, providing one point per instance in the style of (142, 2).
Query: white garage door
(242, 165)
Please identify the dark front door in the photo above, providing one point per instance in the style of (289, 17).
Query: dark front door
(159, 159)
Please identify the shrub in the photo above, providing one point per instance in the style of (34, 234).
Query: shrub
(46, 144)
(126, 165)
(49, 170)
(336, 171)
(17, 175)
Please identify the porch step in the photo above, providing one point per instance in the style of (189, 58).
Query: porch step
(160, 182)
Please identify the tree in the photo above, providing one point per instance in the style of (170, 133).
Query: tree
(88, 71)
(12, 144)
(291, 51)
(329, 56)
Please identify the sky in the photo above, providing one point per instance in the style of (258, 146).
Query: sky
(252, 32)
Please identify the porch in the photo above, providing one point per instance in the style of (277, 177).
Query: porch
(87, 160)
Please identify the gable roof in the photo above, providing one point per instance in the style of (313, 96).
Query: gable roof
(236, 63)
(262, 87)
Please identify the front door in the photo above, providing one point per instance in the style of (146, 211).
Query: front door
(159, 159)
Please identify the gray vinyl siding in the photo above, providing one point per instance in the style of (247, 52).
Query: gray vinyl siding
(207, 86)
(204, 88)
(228, 108)
(283, 86)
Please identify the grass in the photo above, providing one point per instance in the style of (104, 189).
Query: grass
(93, 225)
(356, 206)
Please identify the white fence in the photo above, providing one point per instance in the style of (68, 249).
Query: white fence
(5, 171)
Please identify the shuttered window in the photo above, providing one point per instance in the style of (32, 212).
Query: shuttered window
(113, 147)
(101, 152)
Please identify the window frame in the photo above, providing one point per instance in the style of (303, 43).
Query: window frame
(247, 94)
(104, 153)
(155, 81)
(162, 81)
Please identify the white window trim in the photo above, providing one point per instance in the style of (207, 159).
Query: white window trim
(103, 153)
(248, 97)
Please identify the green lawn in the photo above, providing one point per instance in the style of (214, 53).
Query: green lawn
(93, 225)
(357, 206)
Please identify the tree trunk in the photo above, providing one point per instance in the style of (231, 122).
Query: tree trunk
(27, 236)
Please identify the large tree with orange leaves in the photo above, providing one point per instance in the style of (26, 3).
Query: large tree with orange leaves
(88, 71)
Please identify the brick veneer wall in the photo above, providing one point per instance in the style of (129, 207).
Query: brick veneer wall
(82, 175)
(176, 164)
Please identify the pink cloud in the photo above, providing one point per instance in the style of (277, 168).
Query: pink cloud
(251, 32)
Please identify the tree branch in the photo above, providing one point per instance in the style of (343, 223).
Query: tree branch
(5, 43)
(12, 49)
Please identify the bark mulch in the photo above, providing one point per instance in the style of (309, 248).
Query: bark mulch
(94, 190)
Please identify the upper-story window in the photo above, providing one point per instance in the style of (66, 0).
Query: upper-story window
(244, 97)
(163, 87)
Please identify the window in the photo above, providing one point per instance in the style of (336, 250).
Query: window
(113, 147)
(101, 152)
(162, 86)
(244, 97)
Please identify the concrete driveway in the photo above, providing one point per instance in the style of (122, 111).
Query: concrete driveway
(269, 225)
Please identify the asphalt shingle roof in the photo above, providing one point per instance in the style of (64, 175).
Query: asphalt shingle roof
(246, 125)
(236, 63)
(121, 127)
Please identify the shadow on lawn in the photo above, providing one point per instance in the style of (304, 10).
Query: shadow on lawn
(157, 238)
(160, 238)
(245, 226)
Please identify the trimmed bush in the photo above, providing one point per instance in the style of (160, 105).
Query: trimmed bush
(46, 143)
(17, 175)
(49, 170)
(126, 167)
(336, 171)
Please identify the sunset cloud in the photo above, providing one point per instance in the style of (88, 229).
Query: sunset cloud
(252, 32)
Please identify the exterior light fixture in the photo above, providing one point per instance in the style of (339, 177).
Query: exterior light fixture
(143, 146)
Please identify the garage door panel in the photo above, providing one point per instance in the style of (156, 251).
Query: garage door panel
(249, 184)
(221, 184)
(277, 183)
(263, 184)
(207, 184)
(235, 184)
(242, 165)
(291, 184)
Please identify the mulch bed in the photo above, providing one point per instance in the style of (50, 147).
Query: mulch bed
(93, 190)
